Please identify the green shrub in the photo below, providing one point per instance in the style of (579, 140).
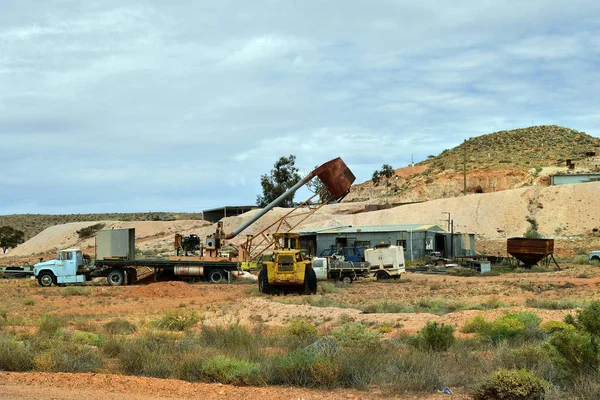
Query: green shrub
(589, 318)
(477, 324)
(575, 352)
(361, 367)
(15, 355)
(113, 346)
(436, 337)
(29, 302)
(385, 307)
(527, 356)
(581, 259)
(292, 369)
(230, 338)
(119, 327)
(415, 371)
(177, 320)
(76, 291)
(300, 329)
(356, 335)
(556, 326)
(86, 338)
(511, 326)
(68, 357)
(51, 325)
(562, 304)
(510, 384)
(227, 370)
(327, 287)
(155, 355)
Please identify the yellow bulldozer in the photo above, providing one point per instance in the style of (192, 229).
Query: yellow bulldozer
(287, 270)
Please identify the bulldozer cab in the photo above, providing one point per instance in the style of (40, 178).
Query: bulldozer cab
(287, 241)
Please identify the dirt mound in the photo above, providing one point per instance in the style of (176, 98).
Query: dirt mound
(171, 289)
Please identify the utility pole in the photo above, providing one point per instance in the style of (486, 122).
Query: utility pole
(452, 240)
(465, 168)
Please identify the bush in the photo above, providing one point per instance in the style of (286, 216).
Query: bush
(581, 259)
(511, 384)
(154, 355)
(76, 291)
(51, 326)
(575, 352)
(177, 320)
(89, 231)
(476, 325)
(300, 329)
(415, 371)
(86, 338)
(68, 357)
(556, 326)
(436, 337)
(511, 326)
(327, 287)
(292, 369)
(562, 304)
(119, 327)
(227, 370)
(589, 318)
(356, 335)
(15, 355)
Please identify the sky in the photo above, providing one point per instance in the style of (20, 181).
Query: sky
(136, 106)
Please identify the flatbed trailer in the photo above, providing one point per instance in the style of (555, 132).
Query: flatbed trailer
(120, 272)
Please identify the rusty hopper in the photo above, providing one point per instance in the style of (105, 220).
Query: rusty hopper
(530, 251)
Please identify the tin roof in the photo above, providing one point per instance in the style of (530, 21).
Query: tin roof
(372, 229)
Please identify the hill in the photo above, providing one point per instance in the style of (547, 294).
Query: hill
(493, 162)
(32, 224)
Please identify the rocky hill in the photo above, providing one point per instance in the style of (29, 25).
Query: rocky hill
(493, 162)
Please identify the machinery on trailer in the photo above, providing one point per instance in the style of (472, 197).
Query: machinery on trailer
(115, 248)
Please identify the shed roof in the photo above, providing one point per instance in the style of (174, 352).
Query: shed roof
(372, 229)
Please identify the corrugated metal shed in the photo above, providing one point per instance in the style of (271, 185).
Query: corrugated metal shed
(418, 240)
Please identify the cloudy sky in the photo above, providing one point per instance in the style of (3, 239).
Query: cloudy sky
(123, 106)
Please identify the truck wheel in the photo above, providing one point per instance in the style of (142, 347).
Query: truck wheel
(115, 277)
(346, 279)
(382, 276)
(46, 279)
(263, 282)
(595, 258)
(216, 276)
(310, 281)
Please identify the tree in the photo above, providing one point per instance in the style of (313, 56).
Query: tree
(10, 237)
(385, 173)
(282, 177)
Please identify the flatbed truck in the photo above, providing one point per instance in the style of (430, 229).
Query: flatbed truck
(115, 260)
